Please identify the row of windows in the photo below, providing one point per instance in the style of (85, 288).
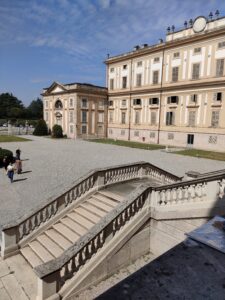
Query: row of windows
(84, 103)
(175, 75)
(84, 117)
(170, 118)
(170, 100)
(84, 129)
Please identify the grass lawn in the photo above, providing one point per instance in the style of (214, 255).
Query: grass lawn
(12, 138)
(128, 144)
(202, 154)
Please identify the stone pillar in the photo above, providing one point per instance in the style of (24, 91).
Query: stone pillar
(100, 180)
(9, 241)
(48, 287)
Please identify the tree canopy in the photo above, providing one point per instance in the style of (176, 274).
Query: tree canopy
(12, 108)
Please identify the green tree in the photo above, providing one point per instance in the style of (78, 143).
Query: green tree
(41, 128)
(57, 131)
(35, 109)
(7, 102)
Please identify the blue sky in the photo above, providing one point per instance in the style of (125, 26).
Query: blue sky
(42, 41)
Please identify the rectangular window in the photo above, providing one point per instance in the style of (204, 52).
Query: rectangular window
(173, 100)
(101, 117)
(221, 45)
(84, 103)
(46, 103)
(170, 118)
(84, 117)
(137, 117)
(194, 98)
(212, 139)
(170, 136)
(176, 55)
(175, 74)
(152, 135)
(217, 96)
(100, 129)
(136, 101)
(154, 101)
(156, 59)
(111, 117)
(71, 117)
(112, 70)
(101, 104)
(84, 129)
(110, 103)
(124, 103)
(111, 84)
(153, 118)
(197, 50)
(124, 83)
(190, 139)
(219, 67)
(124, 67)
(215, 118)
(191, 121)
(196, 71)
(138, 79)
(71, 128)
(71, 102)
(139, 63)
(155, 77)
(123, 118)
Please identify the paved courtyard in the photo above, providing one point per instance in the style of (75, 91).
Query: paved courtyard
(52, 165)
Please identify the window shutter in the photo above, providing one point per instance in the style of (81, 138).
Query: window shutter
(168, 100)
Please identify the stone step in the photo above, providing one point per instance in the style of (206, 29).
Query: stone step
(91, 208)
(101, 205)
(107, 203)
(41, 251)
(111, 195)
(81, 220)
(58, 238)
(50, 245)
(78, 229)
(90, 216)
(31, 256)
(66, 232)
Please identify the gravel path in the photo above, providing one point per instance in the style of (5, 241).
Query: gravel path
(51, 165)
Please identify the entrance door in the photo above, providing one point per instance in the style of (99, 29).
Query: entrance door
(190, 140)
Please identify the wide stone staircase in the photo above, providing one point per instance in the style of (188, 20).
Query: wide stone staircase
(106, 220)
(67, 231)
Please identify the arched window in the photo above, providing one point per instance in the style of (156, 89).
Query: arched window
(58, 104)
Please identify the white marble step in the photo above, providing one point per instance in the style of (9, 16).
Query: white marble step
(81, 220)
(90, 216)
(66, 232)
(76, 227)
(31, 256)
(62, 241)
(91, 208)
(102, 205)
(109, 201)
(50, 245)
(111, 195)
(41, 251)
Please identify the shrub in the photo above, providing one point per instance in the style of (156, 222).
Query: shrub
(3, 153)
(57, 131)
(41, 128)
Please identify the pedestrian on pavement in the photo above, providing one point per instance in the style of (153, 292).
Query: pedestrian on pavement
(18, 152)
(10, 171)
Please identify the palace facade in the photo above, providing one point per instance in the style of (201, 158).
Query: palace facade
(81, 109)
(172, 93)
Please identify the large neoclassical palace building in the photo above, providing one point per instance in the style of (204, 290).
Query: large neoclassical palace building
(81, 109)
(171, 93)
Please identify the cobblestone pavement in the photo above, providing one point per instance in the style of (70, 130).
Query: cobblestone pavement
(50, 165)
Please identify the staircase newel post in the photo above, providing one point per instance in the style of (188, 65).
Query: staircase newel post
(9, 244)
(142, 171)
(48, 287)
(100, 180)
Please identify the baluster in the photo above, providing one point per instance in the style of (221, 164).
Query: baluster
(66, 272)
(73, 265)
(163, 198)
(168, 196)
(185, 193)
(66, 199)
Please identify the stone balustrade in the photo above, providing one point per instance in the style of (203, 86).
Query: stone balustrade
(208, 188)
(14, 233)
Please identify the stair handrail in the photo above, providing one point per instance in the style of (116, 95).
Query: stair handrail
(16, 230)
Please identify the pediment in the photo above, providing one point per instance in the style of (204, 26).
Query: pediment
(56, 88)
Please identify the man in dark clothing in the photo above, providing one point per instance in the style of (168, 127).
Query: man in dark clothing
(18, 151)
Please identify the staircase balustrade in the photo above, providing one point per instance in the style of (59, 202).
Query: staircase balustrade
(16, 231)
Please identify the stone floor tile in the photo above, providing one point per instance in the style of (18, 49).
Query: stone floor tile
(13, 288)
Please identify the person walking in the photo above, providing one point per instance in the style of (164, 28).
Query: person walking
(10, 171)
(18, 152)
